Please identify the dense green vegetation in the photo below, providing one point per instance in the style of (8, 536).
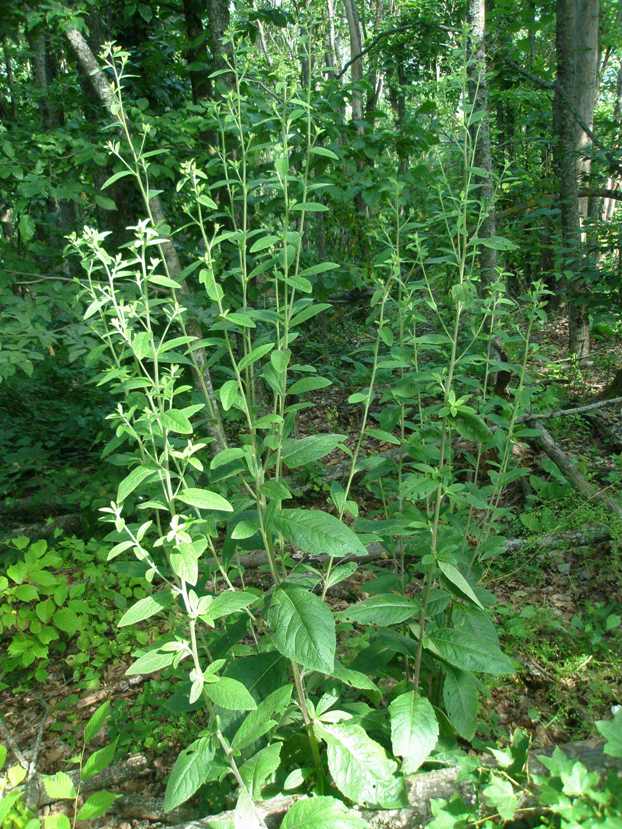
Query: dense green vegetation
(309, 386)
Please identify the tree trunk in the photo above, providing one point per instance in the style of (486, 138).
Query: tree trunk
(356, 67)
(195, 51)
(201, 372)
(566, 146)
(480, 135)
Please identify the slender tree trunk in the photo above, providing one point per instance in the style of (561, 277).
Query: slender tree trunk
(8, 68)
(566, 133)
(203, 381)
(195, 51)
(356, 67)
(480, 132)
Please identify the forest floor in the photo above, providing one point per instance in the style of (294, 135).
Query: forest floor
(559, 609)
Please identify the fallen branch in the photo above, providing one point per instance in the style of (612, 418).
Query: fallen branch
(71, 523)
(544, 441)
(35, 505)
(136, 765)
(588, 407)
(376, 552)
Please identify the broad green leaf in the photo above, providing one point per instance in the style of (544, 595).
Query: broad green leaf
(3, 755)
(228, 602)
(414, 730)
(382, 610)
(66, 620)
(355, 679)
(310, 207)
(498, 243)
(256, 354)
(176, 421)
(230, 694)
(321, 813)
(96, 805)
(131, 481)
(204, 499)
(471, 644)
(115, 177)
(240, 319)
(308, 312)
(471, 426)
(460, 698)
(452, 574)
(188, 773)
(229, 394)
(301, 451)
(358, 765)
(99, 760)
(303, 628)
(226, 456)
(15, 775)
(55, 821)
(384, 436)
(245, 815)
(9, 800)
(307, 384)
(501, 795)
(264, 242)
(256, 771)
(150, 662)
(142, 345)
(322, 267)
(145, 608)
(96, 722)
(165, 282)
(325, 153)
(260, 722)
(59, 786)
(105, 202)
(611, 730)
(318, 533)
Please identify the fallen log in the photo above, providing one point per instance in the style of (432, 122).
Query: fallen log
(544, 441)
(422, 789)
(136, 765)
(376, 552)
(71, 523)
(38, 506)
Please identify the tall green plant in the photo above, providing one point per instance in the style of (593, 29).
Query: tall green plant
(266, 666)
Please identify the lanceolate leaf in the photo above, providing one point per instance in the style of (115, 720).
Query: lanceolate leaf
(382, 610)
(204, 499)
(452, 574)
(359, 766)
(230, 694)
(460, 698)
(151, 661)
(256, 771)
(471, 644)
(318, 533)
(96, 722)
(260, 721)
(303, 628)
(145, 608)
(131, 481)
(414, 729)
(301, 451)
(189, 773)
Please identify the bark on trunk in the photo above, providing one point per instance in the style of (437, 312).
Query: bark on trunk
(195, 51)
(566, 145)
(480, 136)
